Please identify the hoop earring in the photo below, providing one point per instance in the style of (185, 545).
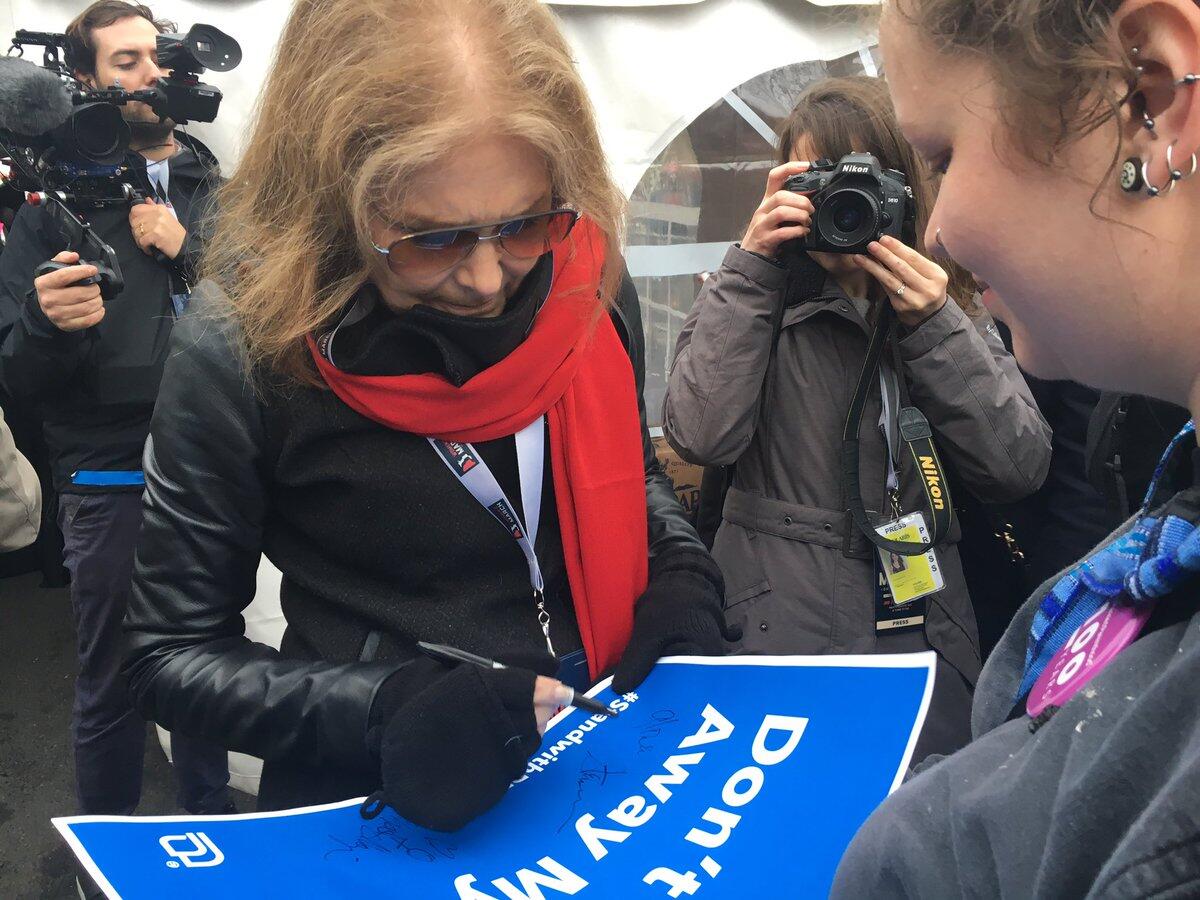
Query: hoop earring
(1152, 190)
(1176, 174)
(1133, 178)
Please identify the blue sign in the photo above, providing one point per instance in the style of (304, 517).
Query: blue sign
(732, 777)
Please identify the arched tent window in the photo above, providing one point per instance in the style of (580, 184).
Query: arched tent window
(697, 196)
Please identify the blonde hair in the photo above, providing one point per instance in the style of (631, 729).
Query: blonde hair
(854, 114)
(363, 95)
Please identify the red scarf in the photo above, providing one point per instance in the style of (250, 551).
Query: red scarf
(574, 370)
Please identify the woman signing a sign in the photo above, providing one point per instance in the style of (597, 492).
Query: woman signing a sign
(413, 381)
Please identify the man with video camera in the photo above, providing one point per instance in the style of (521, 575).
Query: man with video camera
(90, 367)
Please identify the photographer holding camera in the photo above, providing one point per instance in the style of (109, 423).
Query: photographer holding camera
(91, 369)
(765, 377)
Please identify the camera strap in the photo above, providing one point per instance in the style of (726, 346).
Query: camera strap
(917, 436)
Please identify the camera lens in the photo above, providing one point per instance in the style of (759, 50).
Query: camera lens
(94, 132)
(848, 218)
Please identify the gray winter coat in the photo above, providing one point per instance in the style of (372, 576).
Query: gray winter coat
(799, 578)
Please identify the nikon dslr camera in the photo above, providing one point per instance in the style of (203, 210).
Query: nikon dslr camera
(856, 201)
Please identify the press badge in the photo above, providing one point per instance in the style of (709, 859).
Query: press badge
(902, 581)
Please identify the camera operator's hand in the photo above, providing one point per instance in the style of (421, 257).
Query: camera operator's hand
(915, 285)
(782, 216)
(68, 305)
(154, 225)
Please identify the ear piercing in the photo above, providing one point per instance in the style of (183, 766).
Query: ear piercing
(1139, 70)
(1176, 174)
(1133, 176)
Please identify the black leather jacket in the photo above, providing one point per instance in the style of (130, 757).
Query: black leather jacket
(189, 665)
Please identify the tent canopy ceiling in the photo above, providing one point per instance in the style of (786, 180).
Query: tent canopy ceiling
(651, 68)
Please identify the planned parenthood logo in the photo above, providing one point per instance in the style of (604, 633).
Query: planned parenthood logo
(193, 849)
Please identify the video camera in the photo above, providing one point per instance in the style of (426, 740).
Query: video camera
(65, 143)
(856, 200)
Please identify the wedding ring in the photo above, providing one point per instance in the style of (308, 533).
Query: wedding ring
(899, 292)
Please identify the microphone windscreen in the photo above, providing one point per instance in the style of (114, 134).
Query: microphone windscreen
(33, 100)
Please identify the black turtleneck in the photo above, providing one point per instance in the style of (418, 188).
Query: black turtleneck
(426, 562)
(422, 340)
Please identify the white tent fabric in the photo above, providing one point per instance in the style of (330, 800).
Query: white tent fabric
(652, 71)
(651, 66)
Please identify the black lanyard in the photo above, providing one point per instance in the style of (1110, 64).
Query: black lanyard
(917, 435)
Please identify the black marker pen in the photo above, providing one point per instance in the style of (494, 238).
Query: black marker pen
(444, 653)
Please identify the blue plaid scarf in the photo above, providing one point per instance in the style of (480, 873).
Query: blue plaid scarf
(1138, 567)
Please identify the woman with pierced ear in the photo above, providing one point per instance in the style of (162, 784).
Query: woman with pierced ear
(1072, 127)
(781, 359)
(413, 381)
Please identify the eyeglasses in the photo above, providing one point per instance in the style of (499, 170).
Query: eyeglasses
(525, 237)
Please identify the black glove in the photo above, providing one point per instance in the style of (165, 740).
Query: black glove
(681, 613)
(449, 747)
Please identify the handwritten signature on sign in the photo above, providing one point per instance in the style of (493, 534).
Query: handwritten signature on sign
(593, 771)
(388, 834)
(652, 730)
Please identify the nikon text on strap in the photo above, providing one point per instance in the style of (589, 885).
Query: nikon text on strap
(917, 435)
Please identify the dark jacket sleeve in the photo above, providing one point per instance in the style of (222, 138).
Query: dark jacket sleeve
(36, 358)
(189, 666)
(669, 529)
(985, 418)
